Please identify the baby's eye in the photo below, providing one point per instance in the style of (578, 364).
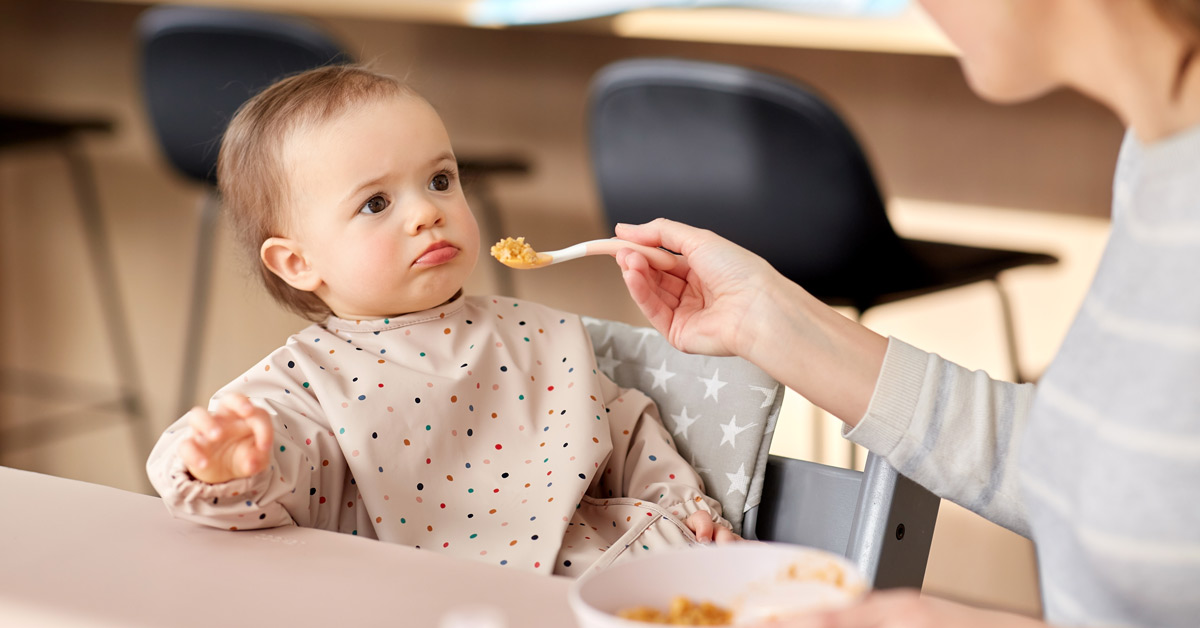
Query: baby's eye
(440, 182)
(374, 205)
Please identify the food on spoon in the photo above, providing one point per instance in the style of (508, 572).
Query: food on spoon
(514, 251)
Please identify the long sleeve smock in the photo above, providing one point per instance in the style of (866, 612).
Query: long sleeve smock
(481, 429)
(1100, 463)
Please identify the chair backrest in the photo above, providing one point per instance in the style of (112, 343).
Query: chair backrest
(200, 64)
(719, 411)
(722, 414)
(758, 158)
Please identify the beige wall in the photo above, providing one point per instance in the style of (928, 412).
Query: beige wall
(522, 92)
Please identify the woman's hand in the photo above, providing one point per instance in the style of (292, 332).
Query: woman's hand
(907, 608)
(721, 299)
(706, 531)
(233, 442)
(700, 305)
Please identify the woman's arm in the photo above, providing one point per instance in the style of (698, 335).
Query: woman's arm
(949, 429)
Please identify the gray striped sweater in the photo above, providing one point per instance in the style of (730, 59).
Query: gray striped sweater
(1099, 463)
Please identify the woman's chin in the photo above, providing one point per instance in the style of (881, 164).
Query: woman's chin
(999, 91)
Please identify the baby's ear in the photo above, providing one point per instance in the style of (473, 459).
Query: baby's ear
(285, 258)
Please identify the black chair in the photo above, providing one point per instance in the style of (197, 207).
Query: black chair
(24, 130)
(767, 163)
(198, 65)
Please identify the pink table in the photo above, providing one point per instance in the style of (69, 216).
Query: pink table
(78, 554)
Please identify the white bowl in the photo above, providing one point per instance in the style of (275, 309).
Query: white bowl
(753, 579)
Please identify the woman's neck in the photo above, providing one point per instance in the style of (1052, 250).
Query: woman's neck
(1142, 76)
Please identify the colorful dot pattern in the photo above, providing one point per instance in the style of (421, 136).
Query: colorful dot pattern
(482, 432)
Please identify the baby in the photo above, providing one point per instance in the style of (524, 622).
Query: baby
(478, 427)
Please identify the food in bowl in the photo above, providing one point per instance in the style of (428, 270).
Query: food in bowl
(752, 582)
(681, 612)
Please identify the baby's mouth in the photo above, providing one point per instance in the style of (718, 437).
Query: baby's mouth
(437, 253)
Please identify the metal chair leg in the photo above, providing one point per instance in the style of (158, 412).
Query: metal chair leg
(198, 311)
(100, 252)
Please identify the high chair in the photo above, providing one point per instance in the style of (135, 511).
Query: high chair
(721, 413)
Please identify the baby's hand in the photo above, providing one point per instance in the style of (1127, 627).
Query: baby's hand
(701, 523)
(234, 442)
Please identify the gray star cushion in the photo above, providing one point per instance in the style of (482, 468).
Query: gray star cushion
(720, 411)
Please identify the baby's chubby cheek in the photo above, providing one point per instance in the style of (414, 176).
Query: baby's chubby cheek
(382, 252)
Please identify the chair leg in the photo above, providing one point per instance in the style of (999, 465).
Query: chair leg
(1010, 333)
(100, 252)
(198, 312)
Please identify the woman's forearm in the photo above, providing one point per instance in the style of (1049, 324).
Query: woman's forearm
(829, 359)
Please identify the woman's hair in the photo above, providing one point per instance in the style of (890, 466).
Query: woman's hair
(1184, 17)
(251, 178)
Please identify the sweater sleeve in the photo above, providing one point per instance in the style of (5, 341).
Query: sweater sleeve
(952, 430)
(644, 463)
(304, 483)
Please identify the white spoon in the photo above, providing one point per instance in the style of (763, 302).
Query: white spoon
(511, 252)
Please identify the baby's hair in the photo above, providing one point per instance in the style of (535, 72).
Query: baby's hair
(253, 181)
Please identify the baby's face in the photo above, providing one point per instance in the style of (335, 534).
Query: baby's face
(378, 210)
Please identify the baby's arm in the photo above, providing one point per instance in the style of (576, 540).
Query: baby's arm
(649, 467)
(257, 462)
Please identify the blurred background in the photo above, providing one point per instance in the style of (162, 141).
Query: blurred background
(1033, 176)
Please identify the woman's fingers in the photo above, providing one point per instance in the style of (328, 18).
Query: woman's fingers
(670, 235)
(880, 609)
(659, 259)
(657, 305)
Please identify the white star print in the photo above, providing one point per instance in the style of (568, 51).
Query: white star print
(731, 430)
(712, 386)
(661, 375)
(608, 363)
(683, 422)
(768, 393)
(645, 332)
(739, 482)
